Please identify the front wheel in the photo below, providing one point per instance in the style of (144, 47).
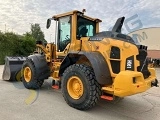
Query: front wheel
(33, 77)
(79, 87)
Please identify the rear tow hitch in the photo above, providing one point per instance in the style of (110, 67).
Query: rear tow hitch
(155, 83)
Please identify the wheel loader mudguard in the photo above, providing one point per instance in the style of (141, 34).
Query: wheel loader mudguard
(12, 67)
(41, 65)
(97, 61)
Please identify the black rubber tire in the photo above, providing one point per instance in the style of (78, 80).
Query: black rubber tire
(37, 79)
(92, 90)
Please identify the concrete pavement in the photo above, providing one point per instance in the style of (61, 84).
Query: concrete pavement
(17, 103)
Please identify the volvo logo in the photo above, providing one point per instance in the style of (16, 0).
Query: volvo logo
(129, 64)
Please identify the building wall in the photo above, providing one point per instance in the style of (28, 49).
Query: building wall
(155, 54)
(149, 37)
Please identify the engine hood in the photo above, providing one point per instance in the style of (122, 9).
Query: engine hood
(114, 35)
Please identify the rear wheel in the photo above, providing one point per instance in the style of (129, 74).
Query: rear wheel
(31, 77)
(79, 87)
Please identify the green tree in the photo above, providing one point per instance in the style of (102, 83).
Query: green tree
(16, 45)
(36, 32)
(12, 44)
(26, 44)
(8, 45)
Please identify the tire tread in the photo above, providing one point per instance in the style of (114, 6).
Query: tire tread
(95, 88)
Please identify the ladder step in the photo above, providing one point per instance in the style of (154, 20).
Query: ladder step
(108, 89)
(109, 98)
(56, 87)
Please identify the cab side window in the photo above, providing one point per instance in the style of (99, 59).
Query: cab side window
(85, 28)
(64, 31)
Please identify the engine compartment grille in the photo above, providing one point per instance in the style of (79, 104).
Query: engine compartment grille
(142, 57)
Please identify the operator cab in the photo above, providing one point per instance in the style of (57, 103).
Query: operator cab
(71, 27)
(85, 28)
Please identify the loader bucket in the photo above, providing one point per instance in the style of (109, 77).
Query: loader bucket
(12, 68)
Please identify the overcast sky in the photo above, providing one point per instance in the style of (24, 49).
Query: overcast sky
(17, 15)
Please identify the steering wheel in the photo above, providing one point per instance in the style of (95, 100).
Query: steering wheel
(64, 43)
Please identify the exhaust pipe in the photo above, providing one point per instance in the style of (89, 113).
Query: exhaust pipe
(118, 25)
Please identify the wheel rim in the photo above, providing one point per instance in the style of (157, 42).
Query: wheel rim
(75, 87)
(27, 74)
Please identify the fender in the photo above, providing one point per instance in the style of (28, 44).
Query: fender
(97, 61)
(40, 64)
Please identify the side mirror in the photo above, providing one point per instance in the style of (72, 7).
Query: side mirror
(48, 23)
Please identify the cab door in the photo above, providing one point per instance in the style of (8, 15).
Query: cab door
(64, 35)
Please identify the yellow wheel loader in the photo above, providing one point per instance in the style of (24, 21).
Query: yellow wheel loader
(86, 64)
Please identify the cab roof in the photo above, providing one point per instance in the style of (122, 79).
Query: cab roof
(75, 12)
